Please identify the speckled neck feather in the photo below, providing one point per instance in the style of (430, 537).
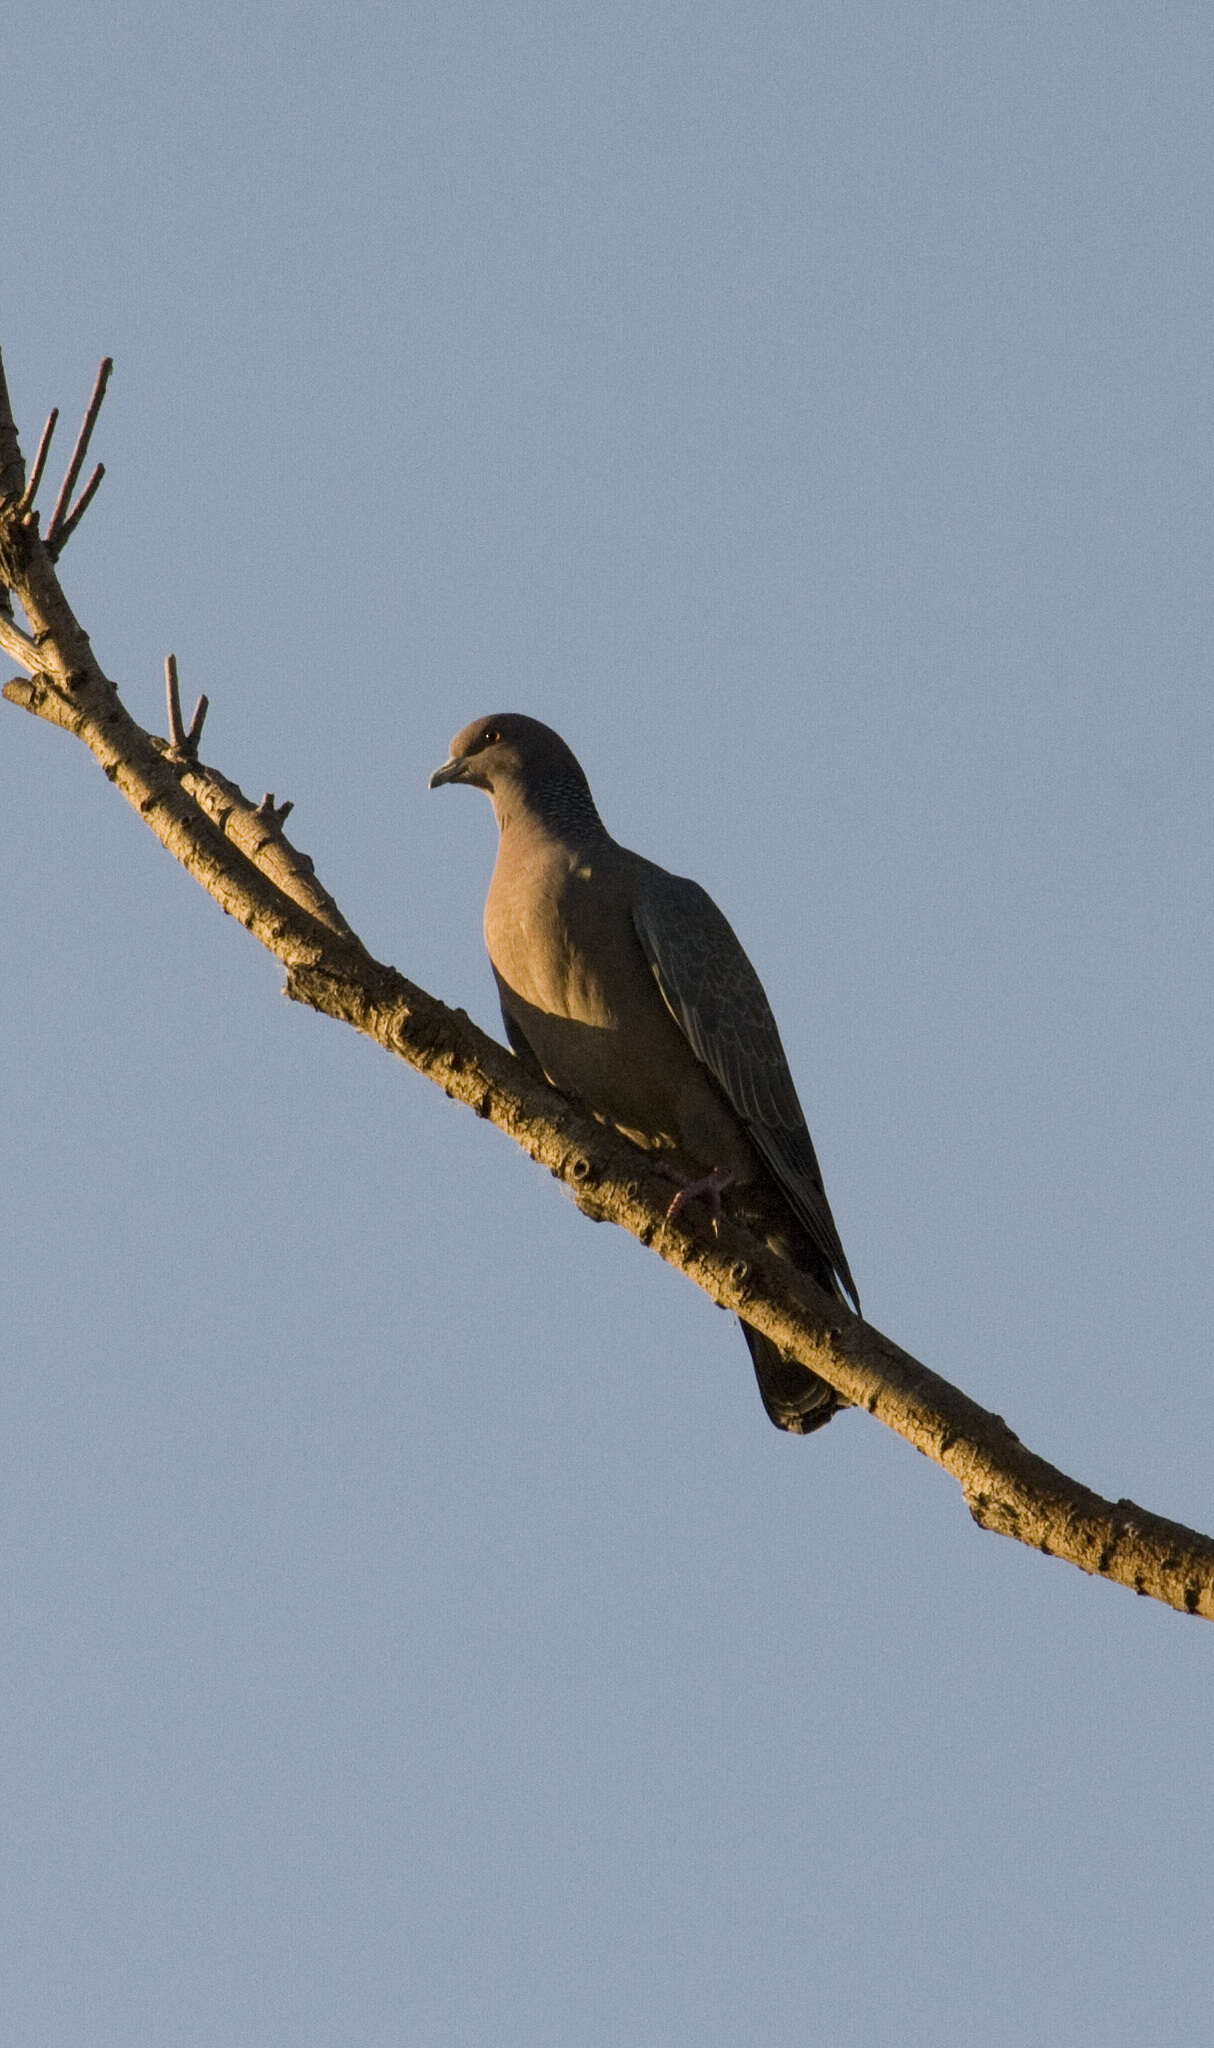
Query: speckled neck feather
(564, 804)
(555, 798)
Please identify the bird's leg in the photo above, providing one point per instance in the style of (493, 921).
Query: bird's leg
(709, 1189)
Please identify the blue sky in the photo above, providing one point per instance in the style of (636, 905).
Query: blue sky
(416, 1631)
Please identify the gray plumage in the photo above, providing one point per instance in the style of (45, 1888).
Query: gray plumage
(630, 992)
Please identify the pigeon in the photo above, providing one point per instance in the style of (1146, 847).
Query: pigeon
(625, 987)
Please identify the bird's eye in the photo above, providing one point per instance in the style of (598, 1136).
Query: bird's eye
(490, 736)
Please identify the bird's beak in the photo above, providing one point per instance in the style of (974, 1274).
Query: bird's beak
(451, 771)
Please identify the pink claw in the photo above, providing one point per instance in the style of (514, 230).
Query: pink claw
(710, 1190)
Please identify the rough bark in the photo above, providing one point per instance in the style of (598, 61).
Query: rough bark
(238, 852)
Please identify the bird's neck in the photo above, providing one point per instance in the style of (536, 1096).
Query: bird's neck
(562, 810)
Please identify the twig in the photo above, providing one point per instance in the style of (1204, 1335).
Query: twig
(44, 448)
(173, 694)
(57, 532)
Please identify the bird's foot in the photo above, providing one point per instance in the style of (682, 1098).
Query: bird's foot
(709, 1189)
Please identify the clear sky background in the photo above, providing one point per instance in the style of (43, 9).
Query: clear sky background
(413, 1629)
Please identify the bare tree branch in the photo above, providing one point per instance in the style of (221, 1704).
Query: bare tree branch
(237, 850)
(15, 642)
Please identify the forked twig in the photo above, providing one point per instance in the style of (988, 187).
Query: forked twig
(274, 814)
(62, 523)
(77, 512)
(183, 743)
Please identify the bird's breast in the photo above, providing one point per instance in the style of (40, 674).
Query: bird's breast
(576, 985)
(536, 940)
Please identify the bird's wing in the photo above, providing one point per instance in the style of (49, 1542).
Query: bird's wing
(717, 999)
(518, 1043)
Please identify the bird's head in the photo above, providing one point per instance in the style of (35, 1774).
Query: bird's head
(523, 765)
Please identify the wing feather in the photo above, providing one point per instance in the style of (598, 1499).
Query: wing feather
(717, 999)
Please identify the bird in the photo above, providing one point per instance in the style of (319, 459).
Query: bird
(625, 988)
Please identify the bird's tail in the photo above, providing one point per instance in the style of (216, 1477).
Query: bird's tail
(795, 1398)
